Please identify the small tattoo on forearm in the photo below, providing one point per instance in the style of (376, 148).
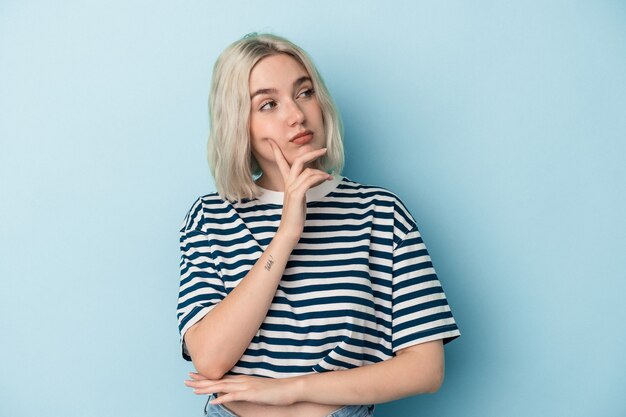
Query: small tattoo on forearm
(269, 263)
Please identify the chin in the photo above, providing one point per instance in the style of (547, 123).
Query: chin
(309, 146)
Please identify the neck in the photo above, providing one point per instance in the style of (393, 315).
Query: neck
(271, 180)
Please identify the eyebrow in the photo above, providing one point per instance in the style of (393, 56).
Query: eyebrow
(296, 83)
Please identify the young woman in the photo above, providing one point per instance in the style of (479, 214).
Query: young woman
(303, 293)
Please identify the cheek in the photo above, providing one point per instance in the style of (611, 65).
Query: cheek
(262, 127)
(262, 149)
(254, 127)
(319, 116)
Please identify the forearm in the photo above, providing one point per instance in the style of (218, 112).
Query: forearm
(398, 377)
(219, 340)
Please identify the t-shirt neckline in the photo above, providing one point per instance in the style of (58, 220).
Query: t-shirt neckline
(313, 194)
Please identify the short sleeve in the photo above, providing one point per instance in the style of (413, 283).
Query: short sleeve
(420, 311)
(201, 287)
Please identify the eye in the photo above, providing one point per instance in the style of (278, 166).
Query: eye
(309, 91)
(263, 107)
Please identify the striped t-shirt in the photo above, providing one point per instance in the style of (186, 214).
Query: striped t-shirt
(358, 286)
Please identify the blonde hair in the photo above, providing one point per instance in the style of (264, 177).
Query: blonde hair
(229, 151)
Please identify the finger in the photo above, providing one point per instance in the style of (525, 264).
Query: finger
(207, 385)
(211, 388)
(290, 172)
(315, 180)
(306, 181)
(204, 382)
(222, 387)
(298, 164)
(237, 377)
(231, 396)
(197, 376)
(283, 165)
(200, 384)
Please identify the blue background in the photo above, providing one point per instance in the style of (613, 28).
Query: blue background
(501, 125)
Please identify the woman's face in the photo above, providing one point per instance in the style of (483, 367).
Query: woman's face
(283, 104)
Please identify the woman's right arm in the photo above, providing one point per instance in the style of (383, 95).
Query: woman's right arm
(219, 339)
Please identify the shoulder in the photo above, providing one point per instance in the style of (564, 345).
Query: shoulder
(203, 207)
(381, 194)
(358, 189)
(403, 220)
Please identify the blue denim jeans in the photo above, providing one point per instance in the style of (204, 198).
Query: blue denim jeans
(218, 410)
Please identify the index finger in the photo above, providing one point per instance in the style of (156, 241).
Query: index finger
(283, 165)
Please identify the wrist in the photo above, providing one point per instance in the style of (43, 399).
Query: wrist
(298, 389)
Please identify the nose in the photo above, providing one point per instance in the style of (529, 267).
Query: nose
(295, 114)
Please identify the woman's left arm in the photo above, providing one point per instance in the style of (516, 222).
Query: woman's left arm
(414, 370)
(417, 369)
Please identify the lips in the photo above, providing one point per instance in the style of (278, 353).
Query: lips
(301, 134)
